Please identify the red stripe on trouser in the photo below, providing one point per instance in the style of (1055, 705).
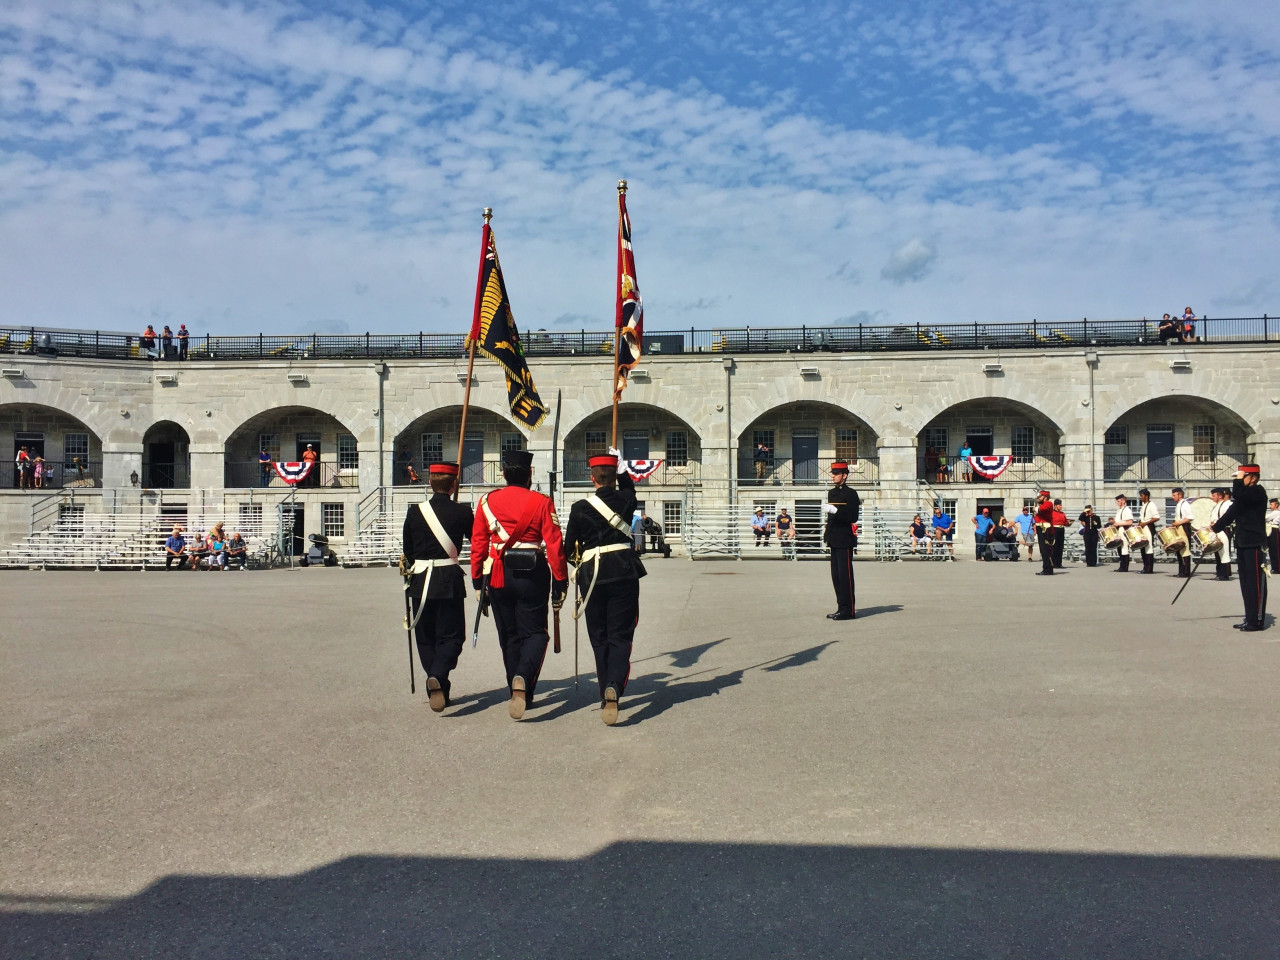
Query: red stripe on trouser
(852, 605)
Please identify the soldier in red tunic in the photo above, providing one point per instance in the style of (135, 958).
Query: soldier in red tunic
(1044, 530)
(517, 555)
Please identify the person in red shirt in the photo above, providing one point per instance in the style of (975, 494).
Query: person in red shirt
(1060, 524)
(1044, 532)
(517, 553)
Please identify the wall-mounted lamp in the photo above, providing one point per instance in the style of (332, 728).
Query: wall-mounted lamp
(810, 373)
(167, 378)
(1182, 365)
(640, 373)
(297, 378)
(133, 478)
(992, 368)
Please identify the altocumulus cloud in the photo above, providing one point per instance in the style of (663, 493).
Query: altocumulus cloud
(910, 263)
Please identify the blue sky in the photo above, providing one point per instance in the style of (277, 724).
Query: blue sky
(294, 167)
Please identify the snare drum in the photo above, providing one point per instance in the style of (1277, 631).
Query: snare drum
(1134, 535)
(1112, 537)
(1208, 540)
(1173, 540)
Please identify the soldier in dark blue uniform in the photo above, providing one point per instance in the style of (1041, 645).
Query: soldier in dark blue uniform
(598, 541)
(433, 533)
(842, 508)
(1248, 511)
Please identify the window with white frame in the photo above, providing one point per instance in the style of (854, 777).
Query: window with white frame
(671, 517)
(333, 519)
(847, 444)
(1117, 436)
(432, 448)
(677, 449)
(1022, 444)
(75, 445)
(949, 508)
(935, 438)
(348, 457)
(596, 443)
(269, 442)
(766, 437)
(1204, 443)
(513, 441)
(251, 519)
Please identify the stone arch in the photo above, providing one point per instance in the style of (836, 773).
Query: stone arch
(70, 449)
(434, 436)
(166, 456)
(993, 425)
(1177, 437)
(286, 431)
(802, 438)
(645, 431)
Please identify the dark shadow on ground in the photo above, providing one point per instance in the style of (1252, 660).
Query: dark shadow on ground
(682, 900)
(799, 659)
(864, 612)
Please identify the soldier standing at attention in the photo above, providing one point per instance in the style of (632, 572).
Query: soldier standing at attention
(1148, 517)
(598, 540)
(516, 555)
(433, 531)
(1222, 562)
(1182, 521)
(1044, 531)
(1060, 524)
(1247, 510)
(842, 508)
(1122, 521)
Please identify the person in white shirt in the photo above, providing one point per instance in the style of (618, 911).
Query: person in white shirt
(1221, 500)
(1273, 533)
(1182, 521)
(1148, 517)
(1123, 520)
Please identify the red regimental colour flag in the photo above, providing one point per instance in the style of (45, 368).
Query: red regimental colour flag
(630, 316)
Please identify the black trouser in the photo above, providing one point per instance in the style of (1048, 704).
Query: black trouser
(1184, 563)
(1046, 539)
(439, 632)
(1059, 541)
(1091, 548)
(1273, 549)
(611, 615)
(169, 558)
(520, 614)
(842, 578)
(1253, 584)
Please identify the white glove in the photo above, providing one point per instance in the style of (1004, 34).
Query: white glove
(828, 508)
(622, 464)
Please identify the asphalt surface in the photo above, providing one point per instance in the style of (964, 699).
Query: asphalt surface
(984, 764)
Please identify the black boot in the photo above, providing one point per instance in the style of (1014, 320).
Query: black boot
(1124, 565)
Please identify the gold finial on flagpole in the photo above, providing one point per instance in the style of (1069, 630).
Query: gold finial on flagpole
(488, 214)
(622, 186)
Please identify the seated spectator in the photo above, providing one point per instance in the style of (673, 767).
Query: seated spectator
(1188, 326)
(175, 548)
(943, 531)
(760, 526)
(917, 534)
(1169, 330)
(237, 551)
(198, 550)
(786, 529)
(217, 551)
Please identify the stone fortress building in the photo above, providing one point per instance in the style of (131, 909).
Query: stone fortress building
(1087, 411)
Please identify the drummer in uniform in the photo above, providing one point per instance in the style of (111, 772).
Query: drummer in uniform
(1090, 524)
(1044, 532)
(1148, 517)
(517, 554)
(1247, 509)
(433, 531)
(843, 507)
(1182, 515)
(1060, 524)
(598, 541)
(1273, 534)
(1221, 497)
(1122, 521)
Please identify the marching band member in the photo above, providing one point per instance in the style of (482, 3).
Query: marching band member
(1148, 517)
(517, 553)
(1122, 521)
(1182, 521)
(1060, 524)
(1090, 524)
(1044, 532)
(433, 531)
(1273, 534)
(1221, 501)
(1247, 510)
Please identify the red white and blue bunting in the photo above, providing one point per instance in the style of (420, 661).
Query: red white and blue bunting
(990, 467)
(642, 469)
(292, 473)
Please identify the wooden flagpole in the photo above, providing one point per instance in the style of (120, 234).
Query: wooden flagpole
(471, 356)
(617, 323)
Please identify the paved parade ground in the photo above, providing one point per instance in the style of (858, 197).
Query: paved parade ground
(983, 764)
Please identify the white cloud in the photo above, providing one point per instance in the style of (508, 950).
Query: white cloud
(910, 263)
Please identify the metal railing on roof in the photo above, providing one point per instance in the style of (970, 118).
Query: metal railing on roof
(49, 342)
